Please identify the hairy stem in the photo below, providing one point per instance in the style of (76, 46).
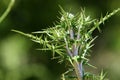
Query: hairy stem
(78, 70)
(71, 34)
(68, 50)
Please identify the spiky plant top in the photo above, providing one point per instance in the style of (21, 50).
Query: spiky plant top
(72, 39)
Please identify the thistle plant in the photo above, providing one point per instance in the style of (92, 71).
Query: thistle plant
(71, 38)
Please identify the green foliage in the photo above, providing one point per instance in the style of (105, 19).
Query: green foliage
(71, 38)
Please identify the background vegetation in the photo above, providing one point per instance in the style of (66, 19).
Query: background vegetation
(20, 61)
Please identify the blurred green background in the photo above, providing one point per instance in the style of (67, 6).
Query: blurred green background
(19, 59)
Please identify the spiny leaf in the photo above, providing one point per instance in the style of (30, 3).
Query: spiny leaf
(25, 34)
(92, 40)
(44, 49)
(109, 15)
(91, 65)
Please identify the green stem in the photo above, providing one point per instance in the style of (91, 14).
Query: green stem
(7, 10)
